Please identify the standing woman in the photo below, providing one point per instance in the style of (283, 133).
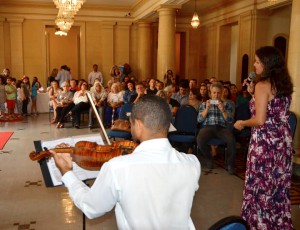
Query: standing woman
(26, 89)
(266, 202)
(53, 93)
(34, 91)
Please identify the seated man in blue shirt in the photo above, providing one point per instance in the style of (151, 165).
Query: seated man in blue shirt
(214, 115)
(152, 188)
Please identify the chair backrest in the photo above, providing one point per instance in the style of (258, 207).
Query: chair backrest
(230, 223)
(186, 119)
(125, 109)
(293, 123)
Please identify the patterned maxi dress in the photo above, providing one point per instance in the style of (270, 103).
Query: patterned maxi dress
(266, 202)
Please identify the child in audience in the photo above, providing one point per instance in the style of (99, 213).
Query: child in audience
(2, 97)
(11, 97)
(20, 95)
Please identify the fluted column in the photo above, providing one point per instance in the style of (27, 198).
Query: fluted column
(107, 48)
(294, 63)
(166, 56)
(122, 43)
(16, 46)
(2, 56)
(145, 51)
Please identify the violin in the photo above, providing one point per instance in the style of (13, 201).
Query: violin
(90, 155)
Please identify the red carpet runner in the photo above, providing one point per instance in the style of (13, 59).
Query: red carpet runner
(4, 137)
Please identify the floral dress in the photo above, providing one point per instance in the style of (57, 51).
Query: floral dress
(266, 202)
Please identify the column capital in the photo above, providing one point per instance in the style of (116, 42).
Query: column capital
(124, 24)
(167, 8)
(144, 23)
(16, 20)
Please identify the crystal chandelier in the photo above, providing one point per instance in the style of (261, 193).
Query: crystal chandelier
(195, 20)
(66, 12)
(60, 32)
(64, 23)
(69, 5)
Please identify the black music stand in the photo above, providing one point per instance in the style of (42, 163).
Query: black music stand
(46, 174)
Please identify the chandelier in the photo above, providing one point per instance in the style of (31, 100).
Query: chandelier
(195, 20)
(67, 9)
(60, 32)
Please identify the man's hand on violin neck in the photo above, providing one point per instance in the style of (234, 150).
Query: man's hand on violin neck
(63, 161)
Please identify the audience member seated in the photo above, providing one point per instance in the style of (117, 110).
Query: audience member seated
(194, 99)
(174, 104)
(53, 93)
(214, 117)
(108, 87)
(159, 85)
(130, 91)
(192, 84)
(116, 74)
(243, 97)
(226, 97)
(152, 90)
(203, 92)
(92, 88)
(140, 92)
(81, 102)
(64, 104)
(99, 96)
(74, 86)
(114, 103)
(234, 92)
(169, 78)
(182, 95)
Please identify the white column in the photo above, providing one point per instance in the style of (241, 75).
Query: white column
(16, 46)
(166, 56)
(145, 54)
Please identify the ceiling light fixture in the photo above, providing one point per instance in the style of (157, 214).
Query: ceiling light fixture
(66, 12)
(60, 32)
(195, 20)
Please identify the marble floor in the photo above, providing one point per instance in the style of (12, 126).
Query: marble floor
(25, 202)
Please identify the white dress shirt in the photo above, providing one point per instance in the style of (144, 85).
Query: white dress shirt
(94, 75)
(152, 188)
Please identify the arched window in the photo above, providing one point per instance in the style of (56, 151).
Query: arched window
(245, 66)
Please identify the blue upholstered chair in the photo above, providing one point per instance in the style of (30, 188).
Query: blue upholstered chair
(186, 126)
(230, 223)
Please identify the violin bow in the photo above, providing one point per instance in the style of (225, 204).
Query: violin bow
(98, 117)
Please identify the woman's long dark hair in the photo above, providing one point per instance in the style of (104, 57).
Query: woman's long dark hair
(275, 70)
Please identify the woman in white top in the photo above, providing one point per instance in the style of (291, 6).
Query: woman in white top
(81, 102)
(99, 96)
(53, 93)
(114, 103)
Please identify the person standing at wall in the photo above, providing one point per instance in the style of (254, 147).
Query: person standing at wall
(94, 75)
(266, 203)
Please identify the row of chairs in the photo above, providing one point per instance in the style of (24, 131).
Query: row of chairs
(187, 127)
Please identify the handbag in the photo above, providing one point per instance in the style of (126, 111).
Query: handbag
(121, 125)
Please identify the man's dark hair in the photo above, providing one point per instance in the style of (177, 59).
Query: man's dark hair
(153, 112)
